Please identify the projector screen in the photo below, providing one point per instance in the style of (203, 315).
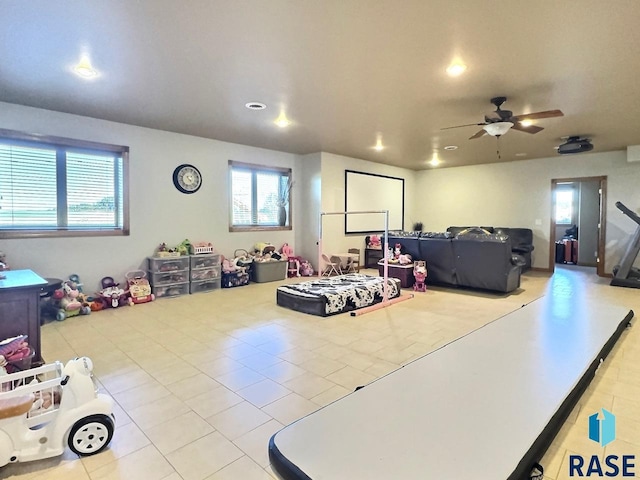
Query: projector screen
(368, 191)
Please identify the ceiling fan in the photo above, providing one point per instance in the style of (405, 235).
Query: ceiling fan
(506, 120)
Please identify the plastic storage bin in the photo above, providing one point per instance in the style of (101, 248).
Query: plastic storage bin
(172, 290)
(204, 261)
(168, 278)
(205, 273)
(168, 264)
(204, 285)
(269, 271)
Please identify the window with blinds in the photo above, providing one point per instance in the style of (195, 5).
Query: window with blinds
(259, 197)
(61, 187)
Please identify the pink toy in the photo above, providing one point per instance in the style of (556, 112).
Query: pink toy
(306, 269)
(420, 275)
(286, 250)
(375, 242)
(293, 266)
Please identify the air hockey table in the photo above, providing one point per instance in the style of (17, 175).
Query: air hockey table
(485, 406)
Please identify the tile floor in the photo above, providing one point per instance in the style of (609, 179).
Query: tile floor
(202, 381)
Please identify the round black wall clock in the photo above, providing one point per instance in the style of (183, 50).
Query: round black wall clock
(187, 178)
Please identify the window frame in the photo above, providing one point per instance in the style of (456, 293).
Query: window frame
(254, 168)
(74, 146)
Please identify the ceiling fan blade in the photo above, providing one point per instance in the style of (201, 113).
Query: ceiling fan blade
(538, 115)
(478, 134)
(467, 125)
(529, 129)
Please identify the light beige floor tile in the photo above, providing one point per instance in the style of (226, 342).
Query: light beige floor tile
(220, 366)
(204, 457)
(259, 361)
(242, 469)
(329, 396)
(144, 464)
(193, 386)
(322, 366)
(176, 372)
(241, 378)
(215, 401)
(350, 378)
(255, 442)
(263, 393)
(158, 411)
(290, 408)
(146, 393)
(308, 385)
(178, 432)
(238, 420)
(282, 371)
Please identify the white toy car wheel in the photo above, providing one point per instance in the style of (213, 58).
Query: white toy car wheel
(91, 435)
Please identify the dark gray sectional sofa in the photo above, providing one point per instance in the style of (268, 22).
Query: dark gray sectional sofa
(470, 260)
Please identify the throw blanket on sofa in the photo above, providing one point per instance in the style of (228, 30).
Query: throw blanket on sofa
(331, 295)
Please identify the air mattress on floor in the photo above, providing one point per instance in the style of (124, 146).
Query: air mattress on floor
(483, 407)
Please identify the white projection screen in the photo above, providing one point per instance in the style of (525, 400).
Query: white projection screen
(368, 191)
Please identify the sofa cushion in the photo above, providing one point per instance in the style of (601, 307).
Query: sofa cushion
(438, 253)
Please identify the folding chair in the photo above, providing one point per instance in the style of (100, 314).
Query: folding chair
(330, 267)
(353, 265)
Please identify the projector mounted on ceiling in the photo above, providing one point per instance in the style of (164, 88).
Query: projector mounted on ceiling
(575, 145)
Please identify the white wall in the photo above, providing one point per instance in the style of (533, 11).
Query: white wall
(158, 212)
(333, 167)
(307, 209)
(516, 194)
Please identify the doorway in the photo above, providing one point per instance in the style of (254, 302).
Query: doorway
(578, 217)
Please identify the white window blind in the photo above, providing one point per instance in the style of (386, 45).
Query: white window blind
(27, 187)
(57, 189)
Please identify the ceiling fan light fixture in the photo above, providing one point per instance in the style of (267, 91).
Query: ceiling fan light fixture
(497, 128)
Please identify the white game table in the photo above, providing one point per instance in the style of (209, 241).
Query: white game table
(483, 407)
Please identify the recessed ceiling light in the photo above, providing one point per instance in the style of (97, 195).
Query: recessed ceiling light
(379, 147)
(84, 68)
(255, 106)
(434, 162)
(451, 147)
(456, 69)
(526, 123)
(282, 121)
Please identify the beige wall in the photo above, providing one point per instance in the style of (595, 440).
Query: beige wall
(518, 194)
(159, 213)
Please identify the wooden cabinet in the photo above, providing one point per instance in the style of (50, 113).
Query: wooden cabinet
(20, 307)
(371, 257)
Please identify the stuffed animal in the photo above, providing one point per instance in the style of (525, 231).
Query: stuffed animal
(374, 242)
(306, 269)
(68, 303)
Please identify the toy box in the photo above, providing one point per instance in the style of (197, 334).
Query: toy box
(269, 271)
(402, 272)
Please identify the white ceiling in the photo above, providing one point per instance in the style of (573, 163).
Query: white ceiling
(344, 71)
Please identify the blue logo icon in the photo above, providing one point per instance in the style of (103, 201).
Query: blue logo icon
(602, 430)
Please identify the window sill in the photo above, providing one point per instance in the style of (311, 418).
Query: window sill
(259, 228)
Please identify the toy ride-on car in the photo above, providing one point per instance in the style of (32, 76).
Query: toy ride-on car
(44, 409)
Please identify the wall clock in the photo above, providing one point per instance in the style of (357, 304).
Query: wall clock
(187, 178)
